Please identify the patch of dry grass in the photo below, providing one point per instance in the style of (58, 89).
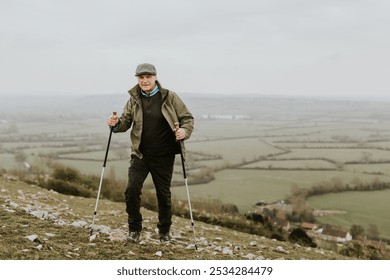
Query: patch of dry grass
(61, 242)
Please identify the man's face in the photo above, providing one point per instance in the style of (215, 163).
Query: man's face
(147, 82)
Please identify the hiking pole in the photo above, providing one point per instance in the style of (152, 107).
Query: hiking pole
(187, 189)
(92, 237)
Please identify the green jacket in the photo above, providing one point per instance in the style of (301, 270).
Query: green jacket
(173, 109)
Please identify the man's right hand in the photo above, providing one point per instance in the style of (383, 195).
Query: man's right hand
(113, 120)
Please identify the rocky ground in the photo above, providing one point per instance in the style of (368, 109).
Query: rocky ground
(41, 224)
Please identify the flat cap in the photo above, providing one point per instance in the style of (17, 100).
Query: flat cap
(145, 68)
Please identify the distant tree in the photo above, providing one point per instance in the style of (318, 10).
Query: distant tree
(268, 213)
(67, 174)
(356, 183)
(70, 188)
(255, 217)
(354, 249)
(281, 214)
(337, 184)
(203, 175)
(300, 236)
(298, 203)
(372, 231)
(121, 153)
(366, 157)
(229, 208)
(356, 231)
(20, 156)
(340, 165)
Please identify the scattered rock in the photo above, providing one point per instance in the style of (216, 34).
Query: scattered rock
(320, 252)
(159, 254)
(280, 250)
(218, 249)
(92, 237)
(250, 256)
(60, 222)
(191, 246)
(32, 237)
(253, 243)
(177, 235)
(227, 251)
(11, 178)
(117, 236)
(39, 214)
(102, 229)
(13, 204)
(79, 223)
(202, 241)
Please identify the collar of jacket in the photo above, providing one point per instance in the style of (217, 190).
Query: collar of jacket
(135, 92)
(153, 92)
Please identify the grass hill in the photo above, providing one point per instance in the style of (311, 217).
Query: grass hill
(41, 224)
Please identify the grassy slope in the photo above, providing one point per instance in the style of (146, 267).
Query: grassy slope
(68, 242)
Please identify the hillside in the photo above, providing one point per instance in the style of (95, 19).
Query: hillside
(42, 224)
(268, 145)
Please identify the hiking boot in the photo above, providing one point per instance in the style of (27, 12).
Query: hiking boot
(134, 236)
(165, 237)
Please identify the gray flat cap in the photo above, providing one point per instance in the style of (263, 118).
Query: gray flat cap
(145, 69)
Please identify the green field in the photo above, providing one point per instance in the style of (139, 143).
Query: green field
(374, 168)
(234, 151)
(291, 164)
(363, 208)
(246, 187)
(341, 155)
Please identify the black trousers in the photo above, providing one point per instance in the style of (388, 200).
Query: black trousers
(161, 169)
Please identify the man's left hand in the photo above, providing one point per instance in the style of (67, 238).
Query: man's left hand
(180, 134)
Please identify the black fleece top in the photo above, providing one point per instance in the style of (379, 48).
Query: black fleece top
(157, 138)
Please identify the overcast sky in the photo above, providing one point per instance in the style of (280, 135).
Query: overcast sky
(283, 47)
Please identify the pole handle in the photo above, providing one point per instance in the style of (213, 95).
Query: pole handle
(177, 126)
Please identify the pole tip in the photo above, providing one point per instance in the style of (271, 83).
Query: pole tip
(92, 237)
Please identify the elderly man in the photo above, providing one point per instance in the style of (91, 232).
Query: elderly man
(151, 112)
